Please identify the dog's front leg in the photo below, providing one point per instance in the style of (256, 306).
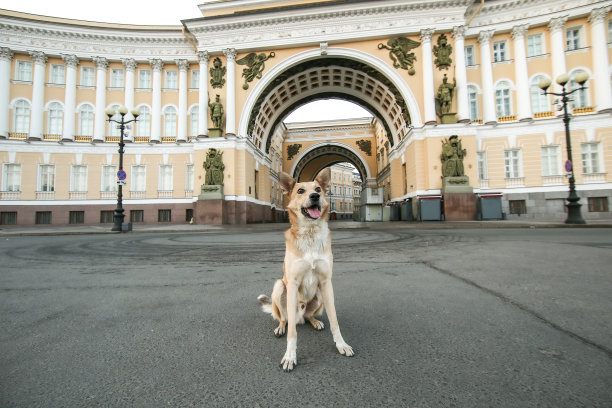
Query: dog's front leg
(327, 291)
(289, 361)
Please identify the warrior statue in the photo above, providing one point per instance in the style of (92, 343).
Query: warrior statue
(214, 167)
(452, 157)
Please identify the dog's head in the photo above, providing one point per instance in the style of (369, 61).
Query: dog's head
(307, 201)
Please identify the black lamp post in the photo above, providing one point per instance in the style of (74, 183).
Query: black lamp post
(573, 207)
(110, 112)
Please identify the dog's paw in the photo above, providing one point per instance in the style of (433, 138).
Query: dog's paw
(345, 349)
(280, 330)
(317, 324)
(289, 362)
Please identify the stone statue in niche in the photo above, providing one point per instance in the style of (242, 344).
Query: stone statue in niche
(217, 72)
(214, 167)
(255, 66)
(292, 150)
(443, 51)
(365, 146)
(452, 157)
(444, 101)
(399, 52)
(216, 115)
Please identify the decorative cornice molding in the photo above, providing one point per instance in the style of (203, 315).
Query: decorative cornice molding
(557, 24)
(459, 32)
(518, 32)
(70, 60)
(6, 54)
(39, 57)
(101, 62)
(484, 37)
(599, 15)
(182, 64)
(426, 34)
(129, 64)
(230, 54)
(157, 64)
(203, 56)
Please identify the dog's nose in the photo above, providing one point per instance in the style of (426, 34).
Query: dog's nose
(314, 196)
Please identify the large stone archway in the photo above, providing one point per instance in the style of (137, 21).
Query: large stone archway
(313, 160)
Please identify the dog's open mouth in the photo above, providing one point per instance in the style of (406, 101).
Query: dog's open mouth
(312, 212)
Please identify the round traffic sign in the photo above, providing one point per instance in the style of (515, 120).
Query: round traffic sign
(121, 174)
(568, 165)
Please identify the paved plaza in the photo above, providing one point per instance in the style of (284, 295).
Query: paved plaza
(463, 317)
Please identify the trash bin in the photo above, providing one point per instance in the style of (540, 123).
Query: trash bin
(489, 206)
(430, 208)
(395, 213)
(406, 211)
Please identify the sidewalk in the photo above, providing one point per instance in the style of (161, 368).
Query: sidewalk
(334, 225)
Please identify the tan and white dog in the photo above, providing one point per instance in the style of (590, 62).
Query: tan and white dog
(306, 287)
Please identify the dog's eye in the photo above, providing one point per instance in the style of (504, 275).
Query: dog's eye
(301, 191)
(318, 189)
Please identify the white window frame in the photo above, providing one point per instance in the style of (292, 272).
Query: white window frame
(57, 74)
(513, 163)
(535, 48)
(113, 128)
(165, 182)
(55, 118)
(86, 120)
(23, 70)
(116, 78)
(500, 51)
(171, 79)
(138, 178)
(170, 121)
(591, 157)
(473, 102)
(581, 98)
(470, 56)
(503, 99)
(577, 36)
(144, 78)
(189, 177)
(46, 178)
(109, 177)
(88, 79)
(11, 177)
(143, 125)
(539, 101)
(195, 79)
(482, 166)
(551, 160)
(78, 178)
(194, 121)
(21, 116)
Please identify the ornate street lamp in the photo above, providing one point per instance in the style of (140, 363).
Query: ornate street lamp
(110, 112)
(573, 207)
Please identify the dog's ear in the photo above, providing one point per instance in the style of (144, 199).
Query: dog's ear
(287, 182)
(323, 178)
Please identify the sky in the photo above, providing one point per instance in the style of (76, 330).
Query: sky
(160, 13)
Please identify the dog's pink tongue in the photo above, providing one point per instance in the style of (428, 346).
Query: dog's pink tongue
(314, 212)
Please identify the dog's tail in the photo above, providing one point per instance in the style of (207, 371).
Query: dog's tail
(266, 303)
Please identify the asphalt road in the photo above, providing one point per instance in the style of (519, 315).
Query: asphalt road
(438, 318)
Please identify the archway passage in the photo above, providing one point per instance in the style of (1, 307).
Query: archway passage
(328, 77)
(325, 155)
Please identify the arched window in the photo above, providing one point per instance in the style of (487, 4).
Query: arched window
(86, 120)
(579, 99)
(55, 119)
(194, 120)
(113, 128)
(170, 122)
(144, 122)
(503, 102)
(21, 118)
(473, 102)
(539, 101)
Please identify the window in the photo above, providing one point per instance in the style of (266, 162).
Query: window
(116, 79)
(21, 119)
(171, 80)
(144, 78)
(573, 38)
(164, 215)
(194, 122)
(76, 217)
(143, 125)
(78, 178)
(580, 98)
(43, 217)
(512, 163)
(113, 128)
(535, 45)
(610, 30)
(56, 76)
(470, 58)
(551, 157)
(539, 101)
(165, 177)
(598, 204)
(189, 177)
(55, 119)
(482, 165)
(24, 71)
(11, 177)
(517, 207)
(499, 51)
(46, 177)
(170, 121)
(136, 215)
(109, 177)
(107, 217)
(473, 102)
(502, 99)
(138, 178)
(86, 120)
(590, 157)
(87, 76)
(195, 79)
(8, 218)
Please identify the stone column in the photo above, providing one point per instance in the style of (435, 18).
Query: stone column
(428, 85)
(203, 95)
(463, 111)
(130, 71)
(38, 95)
(183, 65)
(230, 102)
(100, 118)
(557, 51)
(6, 55)
(523, 100)
(601, 83)
(71, 62)
(157, 66)
(486, 69)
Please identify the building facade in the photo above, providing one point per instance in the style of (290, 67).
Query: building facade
(262, 60)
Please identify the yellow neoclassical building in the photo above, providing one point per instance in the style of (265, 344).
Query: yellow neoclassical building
(227, 79)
